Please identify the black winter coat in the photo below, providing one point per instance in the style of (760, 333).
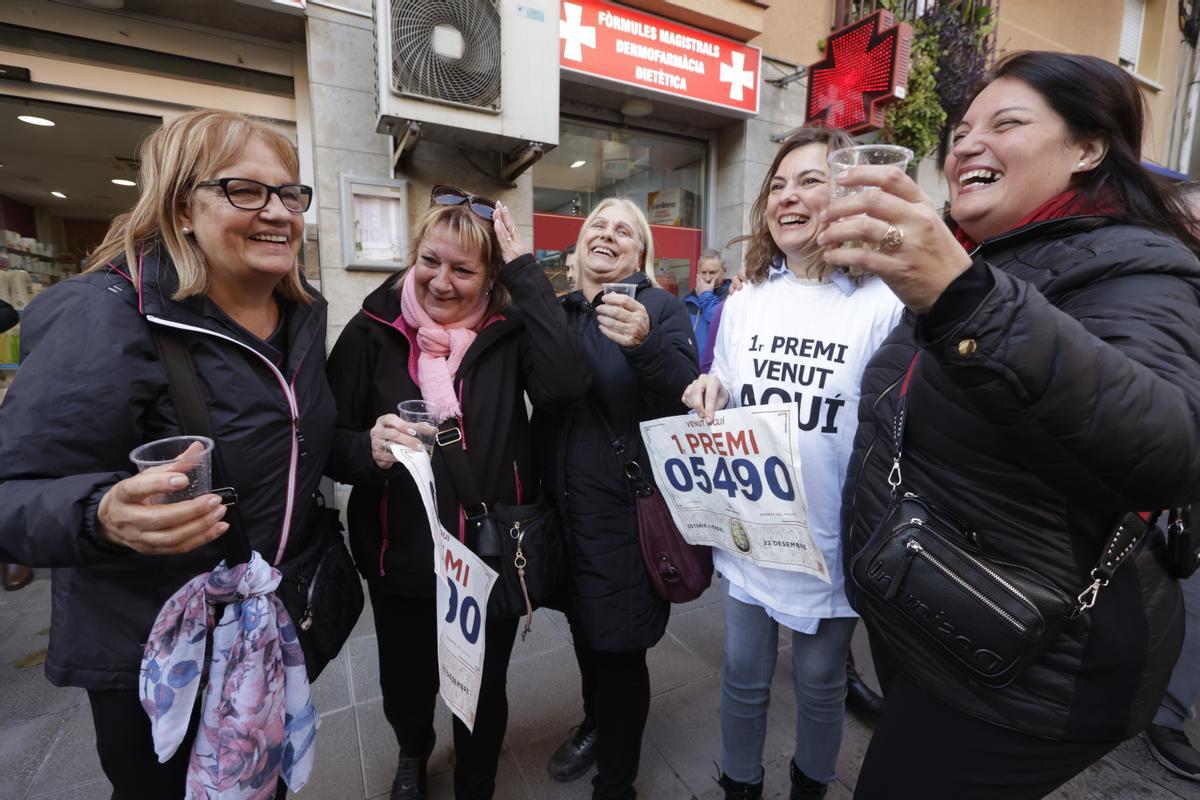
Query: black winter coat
(1067, 393)
(373, 367)
(613, 605)
(90, 389)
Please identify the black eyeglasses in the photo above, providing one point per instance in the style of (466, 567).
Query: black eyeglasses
(251, 195)
(451, 196)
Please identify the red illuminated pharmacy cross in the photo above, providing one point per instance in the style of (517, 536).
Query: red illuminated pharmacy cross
(865, 68)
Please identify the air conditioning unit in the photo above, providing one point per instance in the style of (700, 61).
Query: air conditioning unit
(480, 73)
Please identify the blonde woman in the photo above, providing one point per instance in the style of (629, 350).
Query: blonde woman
(641, 355)
(210, 252)
(472, 327)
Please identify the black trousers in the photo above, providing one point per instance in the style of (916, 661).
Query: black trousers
(126, 749)
(923, 748)
(616, 698)
(406, 628)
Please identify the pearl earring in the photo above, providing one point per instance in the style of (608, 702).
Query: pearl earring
(186, 231)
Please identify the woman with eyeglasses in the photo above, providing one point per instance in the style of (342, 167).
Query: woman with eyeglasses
(471, 327)
(208, 254)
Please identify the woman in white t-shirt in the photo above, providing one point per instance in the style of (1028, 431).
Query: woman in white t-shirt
(799, 332)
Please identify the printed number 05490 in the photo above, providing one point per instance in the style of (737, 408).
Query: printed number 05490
(731, 477)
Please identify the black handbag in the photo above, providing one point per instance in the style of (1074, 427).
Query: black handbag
(928, 578)
(320, 587)
(524, 544)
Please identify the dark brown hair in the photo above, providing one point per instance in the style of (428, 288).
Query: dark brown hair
(1097, 98)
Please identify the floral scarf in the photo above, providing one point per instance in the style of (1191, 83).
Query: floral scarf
(257, 717)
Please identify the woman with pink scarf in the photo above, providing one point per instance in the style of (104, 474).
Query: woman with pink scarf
(471, 327)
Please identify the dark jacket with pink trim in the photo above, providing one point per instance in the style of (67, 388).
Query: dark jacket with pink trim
(530, 350)
(90, 389)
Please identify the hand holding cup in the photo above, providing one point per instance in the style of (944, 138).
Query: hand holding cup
(139, 512)
(622, 318)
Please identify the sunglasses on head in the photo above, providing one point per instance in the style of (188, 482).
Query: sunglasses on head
(452, 196)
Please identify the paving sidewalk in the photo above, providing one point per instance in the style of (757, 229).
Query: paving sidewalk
(47, 750)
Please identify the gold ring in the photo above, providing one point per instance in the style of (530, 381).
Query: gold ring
(892, 240)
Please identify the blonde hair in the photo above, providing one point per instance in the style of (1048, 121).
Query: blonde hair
(763, 250)
(641, 229)
(177, 156)
(475, 234)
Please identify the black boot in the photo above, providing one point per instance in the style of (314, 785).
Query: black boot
(575, 756)
(859, 697)
(735, 790)
(411, 781)
(804, 787)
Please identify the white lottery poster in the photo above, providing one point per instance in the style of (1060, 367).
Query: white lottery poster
(464, 583)
(735, 484)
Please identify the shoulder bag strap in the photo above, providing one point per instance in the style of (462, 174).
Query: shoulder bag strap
(194, 419)
(1128, 532)
(449, 442)
(633, 471)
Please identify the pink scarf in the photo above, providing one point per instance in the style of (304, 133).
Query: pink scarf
(442, 348)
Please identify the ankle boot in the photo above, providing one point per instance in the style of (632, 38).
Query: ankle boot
(859, 697)
(411, 781)
(804, 787)
(735, 790)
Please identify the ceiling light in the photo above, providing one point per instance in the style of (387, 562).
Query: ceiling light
(123, 182)
(637, 107)
(45, 123)
(59, 195)
(578, 164)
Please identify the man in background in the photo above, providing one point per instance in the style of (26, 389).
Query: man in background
(712, 287)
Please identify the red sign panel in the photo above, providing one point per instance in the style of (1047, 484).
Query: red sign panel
(865, 68)
(619, 44)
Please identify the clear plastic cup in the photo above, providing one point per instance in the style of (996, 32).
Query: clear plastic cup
(424, 419)
(169, 452)
(619, 288)
(875, 155)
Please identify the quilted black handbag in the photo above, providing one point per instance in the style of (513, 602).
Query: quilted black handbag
(926, 575)
(524, 543)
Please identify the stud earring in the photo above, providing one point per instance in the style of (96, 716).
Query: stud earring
(186, 231)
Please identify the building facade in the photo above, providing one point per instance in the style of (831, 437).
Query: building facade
(112, 69)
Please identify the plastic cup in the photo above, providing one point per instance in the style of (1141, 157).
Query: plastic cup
(424, 419)
(874, 155)
(169, 452)
(619, 288)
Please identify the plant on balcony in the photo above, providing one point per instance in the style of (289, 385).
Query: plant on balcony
(949, 59)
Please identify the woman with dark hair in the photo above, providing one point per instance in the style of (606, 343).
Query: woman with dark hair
(1057, 317)
(793, 294)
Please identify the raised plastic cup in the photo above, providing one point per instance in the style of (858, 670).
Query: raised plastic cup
(424, 419)
(169, 454)
(875, 155)
(619, 288)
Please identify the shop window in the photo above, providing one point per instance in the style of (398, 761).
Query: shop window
(663, 175)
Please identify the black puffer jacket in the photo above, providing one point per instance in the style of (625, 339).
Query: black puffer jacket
(90, 389)
(615, 608)
(1068, 393)
(373, 367)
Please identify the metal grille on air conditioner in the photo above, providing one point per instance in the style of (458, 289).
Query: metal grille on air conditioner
(447, 50)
